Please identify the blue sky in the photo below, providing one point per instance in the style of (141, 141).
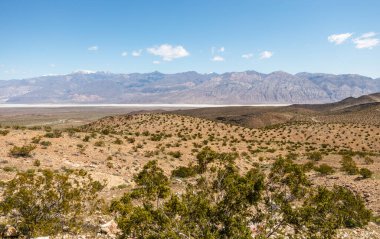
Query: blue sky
(58, 37)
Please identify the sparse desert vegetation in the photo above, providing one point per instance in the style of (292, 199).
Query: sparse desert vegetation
(147, 168)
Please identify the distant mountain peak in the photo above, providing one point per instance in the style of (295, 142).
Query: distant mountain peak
(84, 72)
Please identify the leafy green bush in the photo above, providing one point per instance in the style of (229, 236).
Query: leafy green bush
(4, 132)
(45, 143)
(54, 134)
(327, 210)
(37, 163)
(184, 172)
(157, 137)
(36, 139)
(152, 182)
(118, 141)
(324, 169)
(99, 143)
(315, 156)
(207, 155)
(348, 165)
(86, 138)
(226, 203)
(47, 202)
(291, 156)
(23, 151)
(175, 154)
(368, 160)
(365, 173)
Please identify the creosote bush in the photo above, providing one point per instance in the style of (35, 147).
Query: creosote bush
(23, 151)
(315, 156)
(46, 202)
(324, 169)
(4, 132)
(365, 173)
(348, 165)
(184, 172)
(228, 204)
(54, 134)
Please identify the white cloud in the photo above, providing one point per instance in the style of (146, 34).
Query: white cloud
(366, 41)
(156, 62)
(217, 58)
(221, 49)
(136, 53)
(93, 48)
(266, 55)
(168, 52)
(339, 38)
(368, 34)
(124, 53)
(247, 56)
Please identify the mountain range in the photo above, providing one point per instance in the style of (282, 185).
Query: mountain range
(248, 87)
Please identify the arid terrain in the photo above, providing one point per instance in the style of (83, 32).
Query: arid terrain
(115, 148)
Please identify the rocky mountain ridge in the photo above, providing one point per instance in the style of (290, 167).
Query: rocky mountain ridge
(248, 87)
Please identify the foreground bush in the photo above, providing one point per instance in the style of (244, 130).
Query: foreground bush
(228, 204)
(48, 202)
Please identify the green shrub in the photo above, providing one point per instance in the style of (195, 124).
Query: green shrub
(86, 138)
(368, 160)
(157, 137)
(9, 169)
(37, 163)
(348, 165)
(130, 140)
(223, 206)
(36, 139)
(315, 156)
(328, 210)
(99, 143)
(45, 143)
(54, 134)
(184, 172)
(308, 166)
(324, 169)
(47, 202)
(291, 156)
(175, 154)
(4, 132)
(23, 151)
(118, 141)
(365, 173)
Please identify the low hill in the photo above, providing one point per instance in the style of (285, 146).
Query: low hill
(364, 109)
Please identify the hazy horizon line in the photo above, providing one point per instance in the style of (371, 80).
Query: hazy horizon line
(68, 105)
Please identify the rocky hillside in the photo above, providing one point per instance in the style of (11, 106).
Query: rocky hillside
(247, 87)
